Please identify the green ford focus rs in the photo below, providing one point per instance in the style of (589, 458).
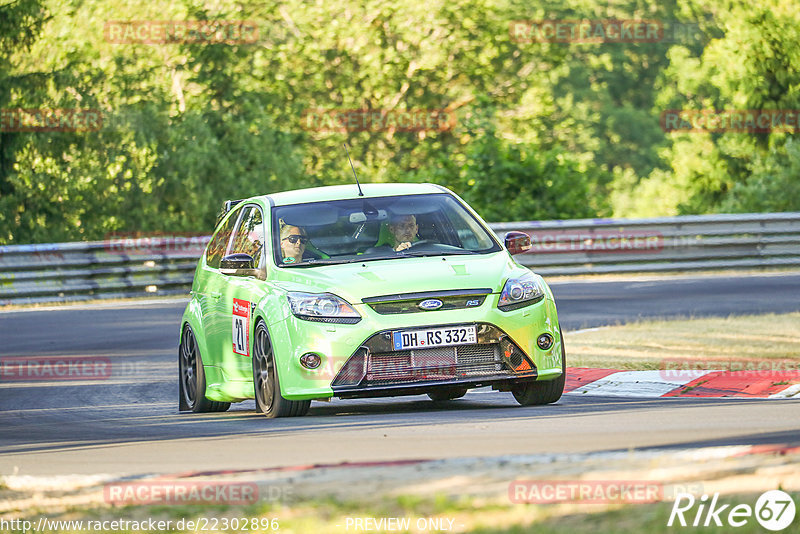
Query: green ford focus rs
(382, 290)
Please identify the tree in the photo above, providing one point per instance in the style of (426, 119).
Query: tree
(753, 65)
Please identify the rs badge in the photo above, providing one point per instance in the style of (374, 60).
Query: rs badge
(241, 327)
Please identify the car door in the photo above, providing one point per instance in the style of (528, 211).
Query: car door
(242, 293)
(209, 294)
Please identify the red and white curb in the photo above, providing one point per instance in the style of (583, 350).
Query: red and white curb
(684, 383)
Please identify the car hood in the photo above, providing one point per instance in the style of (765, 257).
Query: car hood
(354, 281)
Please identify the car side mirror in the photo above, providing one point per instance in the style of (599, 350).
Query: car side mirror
(518, 242)
(239, 264)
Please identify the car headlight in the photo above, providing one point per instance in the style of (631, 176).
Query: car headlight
(520, 292)
(322, 308)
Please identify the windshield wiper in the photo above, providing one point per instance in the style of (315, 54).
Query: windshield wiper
(323, 261)
(399, 254)
(422, 254)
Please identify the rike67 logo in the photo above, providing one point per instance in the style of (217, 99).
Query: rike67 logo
(774, 510)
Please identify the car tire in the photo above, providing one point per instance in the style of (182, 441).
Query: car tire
(192, 378)
(266, 383)
(546, 392)
(446, 394)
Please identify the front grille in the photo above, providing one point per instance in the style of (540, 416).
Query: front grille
(389, 366)
(440, 363)
(409, 302)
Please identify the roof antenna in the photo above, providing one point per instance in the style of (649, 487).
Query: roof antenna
(360, 193)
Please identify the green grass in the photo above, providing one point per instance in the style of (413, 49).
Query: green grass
(470, 515)
(744, 340)
(649, 518)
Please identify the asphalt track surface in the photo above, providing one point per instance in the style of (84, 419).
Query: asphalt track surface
(129, 424)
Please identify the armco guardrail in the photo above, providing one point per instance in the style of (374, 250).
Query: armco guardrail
(82, 271)
(90, 270)
(690, 242)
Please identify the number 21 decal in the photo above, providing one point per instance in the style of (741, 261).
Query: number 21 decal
(241, 327)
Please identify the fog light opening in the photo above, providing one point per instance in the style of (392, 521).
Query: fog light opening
(512, 354)
(310, 360)
(544, 341)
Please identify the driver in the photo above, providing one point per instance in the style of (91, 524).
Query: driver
(293, 243)
(403, 229)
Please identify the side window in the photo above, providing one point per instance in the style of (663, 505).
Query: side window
(249, 237)
(218, 244)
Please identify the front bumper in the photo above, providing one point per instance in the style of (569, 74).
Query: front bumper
(377, 365)
(401, 373)
(502, 383)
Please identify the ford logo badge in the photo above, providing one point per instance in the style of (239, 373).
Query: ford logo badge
(430, 304)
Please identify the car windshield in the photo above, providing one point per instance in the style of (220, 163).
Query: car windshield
(344, 231)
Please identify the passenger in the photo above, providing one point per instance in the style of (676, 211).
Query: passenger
(404, 231)
(293, 243)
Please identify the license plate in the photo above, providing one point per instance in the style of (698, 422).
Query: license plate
(434, 337)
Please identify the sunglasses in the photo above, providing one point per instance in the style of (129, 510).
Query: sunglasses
(295, 238)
